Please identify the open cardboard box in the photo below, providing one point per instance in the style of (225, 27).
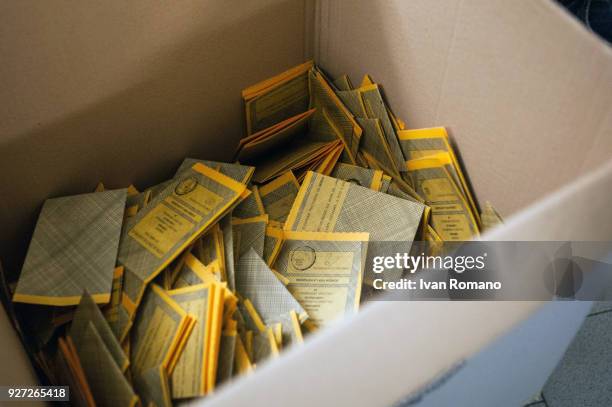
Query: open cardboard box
(122, 91)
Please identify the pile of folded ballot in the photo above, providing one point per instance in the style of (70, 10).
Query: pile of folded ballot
(153, 296)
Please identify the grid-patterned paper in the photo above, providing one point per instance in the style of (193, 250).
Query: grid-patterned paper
(357, 175)
(249, 235)
(154, 387)
(187, 377)
(315, 274)
(256, 282)
(385, 217)
(251, 206)
(226, 356)
(175, 206)
(88, 313)
(107, 382)
(391, 222)
(74, 248)
(278, 202)
(228, 246)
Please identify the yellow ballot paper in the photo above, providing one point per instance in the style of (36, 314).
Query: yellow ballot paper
(189, 376)
(242, 363)
(194, 272)
(327, 164)
(111, 311)
(326, 204)
(278, 98)
(418, 143)
(451, 216)
(332, 114)
(278, 196)
(257, 144)
(376, 109)
(295, 157)
(168, 277)
(251, 318)
(156, 338)
(324, 271)
(296, 329)
(237, 172)
(174, 219)
(74, 248)
(209, 248)
(434, 241)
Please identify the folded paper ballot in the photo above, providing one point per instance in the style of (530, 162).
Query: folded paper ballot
(366, 177)
(74, 247)
(256, 282)
(278, 98)
(272, 243)
(189, 378)
(326, 204)
(109, 386)
(158, 338)
(278, 135)
(451, 216)
(249, 234)
(159, 295)
(237, 172)
(88, 313)
(277, 196)
(324, 271)
(170, 223)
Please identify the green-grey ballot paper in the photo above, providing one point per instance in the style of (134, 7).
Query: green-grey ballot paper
(324, 271)
(74, 248)
(192, 203)
(256, 282)
(326, 204)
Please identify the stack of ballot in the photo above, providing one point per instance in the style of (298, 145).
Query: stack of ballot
(156, 296)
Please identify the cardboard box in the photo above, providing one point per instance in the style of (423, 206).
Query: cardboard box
(122, 91)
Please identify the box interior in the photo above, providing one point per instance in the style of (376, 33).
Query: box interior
(523, 88)
(121, 92)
